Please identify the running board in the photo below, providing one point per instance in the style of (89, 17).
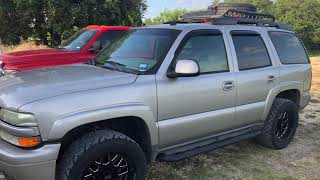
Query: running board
(216, 142)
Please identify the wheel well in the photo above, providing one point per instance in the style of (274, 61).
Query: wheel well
(293, 95)
(133, 127)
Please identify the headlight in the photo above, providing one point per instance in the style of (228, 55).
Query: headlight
(22, 121)
(18, 119)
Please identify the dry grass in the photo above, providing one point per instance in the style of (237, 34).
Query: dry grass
(23, 46)
(316, 74)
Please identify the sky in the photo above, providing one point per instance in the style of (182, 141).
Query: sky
(155, 7)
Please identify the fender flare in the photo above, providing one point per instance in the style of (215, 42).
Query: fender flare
(66, 123)
(276, 91)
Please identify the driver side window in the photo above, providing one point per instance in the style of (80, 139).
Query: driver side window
(208, 50)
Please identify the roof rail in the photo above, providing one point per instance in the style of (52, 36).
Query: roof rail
(232, 17)
(253, 22)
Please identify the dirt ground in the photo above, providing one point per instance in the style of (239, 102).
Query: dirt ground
(247, 160)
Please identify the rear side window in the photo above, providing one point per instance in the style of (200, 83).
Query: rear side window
(251, 51)
(289, 48)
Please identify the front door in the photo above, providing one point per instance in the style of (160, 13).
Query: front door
(196, 107)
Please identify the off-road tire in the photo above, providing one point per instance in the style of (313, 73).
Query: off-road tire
(82, 152)
(268, 136)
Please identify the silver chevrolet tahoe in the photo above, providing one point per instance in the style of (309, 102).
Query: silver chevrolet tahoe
(165, 92)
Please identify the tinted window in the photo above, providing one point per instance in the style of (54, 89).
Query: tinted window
(251, 51)
(107, 37)
(140, 50)
(208, 50)
(289, 48)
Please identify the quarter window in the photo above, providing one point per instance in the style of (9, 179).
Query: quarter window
(289, 48)
(208, 50)
(251, 51)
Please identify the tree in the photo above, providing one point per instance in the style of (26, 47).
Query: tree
(166, 16)
(50, 21)
(14, 24)
(303, 16)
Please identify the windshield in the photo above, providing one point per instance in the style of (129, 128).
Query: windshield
(141, 51)
(78, 41)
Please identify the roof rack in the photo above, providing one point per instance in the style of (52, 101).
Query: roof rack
(231, 17)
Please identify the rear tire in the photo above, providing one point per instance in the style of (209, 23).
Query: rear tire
(104, 154)
(281, 124)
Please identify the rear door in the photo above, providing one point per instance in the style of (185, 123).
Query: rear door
(255, 75)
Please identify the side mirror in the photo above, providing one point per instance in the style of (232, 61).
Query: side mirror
(96, 47)
(185, 68)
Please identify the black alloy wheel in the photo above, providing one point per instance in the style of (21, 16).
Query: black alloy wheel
(112, 166)
(284, 126)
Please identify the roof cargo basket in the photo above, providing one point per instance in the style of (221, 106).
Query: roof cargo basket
(222, 7)
(232, 17)
(207, 16)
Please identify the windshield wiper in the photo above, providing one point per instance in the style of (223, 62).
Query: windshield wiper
(119, 67)
(115, 63)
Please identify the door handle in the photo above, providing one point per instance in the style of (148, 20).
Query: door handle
(271, 78)
(228, 85)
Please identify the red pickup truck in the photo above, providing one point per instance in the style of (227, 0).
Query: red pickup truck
(79, 48)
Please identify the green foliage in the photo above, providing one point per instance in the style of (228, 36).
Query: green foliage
(13, 22)
(303, 16)
(166, 16)
(48, 21)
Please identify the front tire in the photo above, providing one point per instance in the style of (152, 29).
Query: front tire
(102, 155)
(281, 124)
